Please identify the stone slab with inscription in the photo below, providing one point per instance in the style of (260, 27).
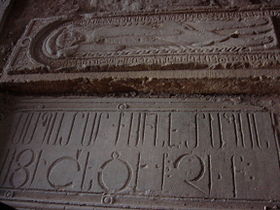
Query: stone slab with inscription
(4, 6)
(197, 51)
(138, 153)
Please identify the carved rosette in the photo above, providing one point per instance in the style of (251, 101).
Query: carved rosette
(22, 59)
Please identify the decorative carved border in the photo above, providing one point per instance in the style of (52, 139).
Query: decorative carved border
(26, 60)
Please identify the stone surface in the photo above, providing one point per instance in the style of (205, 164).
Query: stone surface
(114, 6)
(139, 153)
(206, 46)
(151, 42)
(4, 6)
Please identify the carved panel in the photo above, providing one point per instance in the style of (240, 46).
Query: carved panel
(224, 40)
(139, 153)
(114, 6)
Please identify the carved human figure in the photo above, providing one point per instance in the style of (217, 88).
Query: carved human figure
(77, 40)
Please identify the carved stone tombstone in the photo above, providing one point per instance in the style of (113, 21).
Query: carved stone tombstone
(140, 153)
(193, 51)
(144, 153)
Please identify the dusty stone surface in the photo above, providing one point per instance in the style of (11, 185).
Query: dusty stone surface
(4, 6)
(195, 152)
(133, 153)
(114, 6)
(20, 15)
(199, 50)
(87, 43)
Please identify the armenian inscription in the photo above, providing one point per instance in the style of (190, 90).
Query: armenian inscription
(150, 148)
(193, 40)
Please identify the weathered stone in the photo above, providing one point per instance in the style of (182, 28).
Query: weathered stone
(115, 6)
(139, 153)
(4, 6)
(211, 46)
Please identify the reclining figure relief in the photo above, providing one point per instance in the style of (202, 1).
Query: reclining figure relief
(77, 40)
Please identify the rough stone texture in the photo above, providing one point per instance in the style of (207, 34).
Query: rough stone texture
(4, 6)
(140, 153)
(85, 153)
(179, 47)
(114, 6)
(20, 15)
(152, 42)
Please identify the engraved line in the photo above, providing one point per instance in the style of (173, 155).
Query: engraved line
(138, 129)
(256, 130)
(211, 129)
(35, 127)
(36, 167)
(241, 130)
(118, 128)
(163, 172)
(196, 130)
(169, 130)
(235, 130)
(85, 128)
(58, 129)
(5, 160)
(130, 128)
(137, 171)
(22, 131)
(85, 171)
(233, 176)
(220, 130)
(156, 130)
(90, 185)
(92, 128)
(27, 127)
(210, 175)
(47, 127)
(51, 128)
(9, 167)
(17, 126)
(97, 127)
(276, 135)
(144, 127)
(194, 186)
(71, 128)
(250, 129)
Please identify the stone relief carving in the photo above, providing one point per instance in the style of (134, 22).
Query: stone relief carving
(75, 41)
(194, 40)
(146, 5)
